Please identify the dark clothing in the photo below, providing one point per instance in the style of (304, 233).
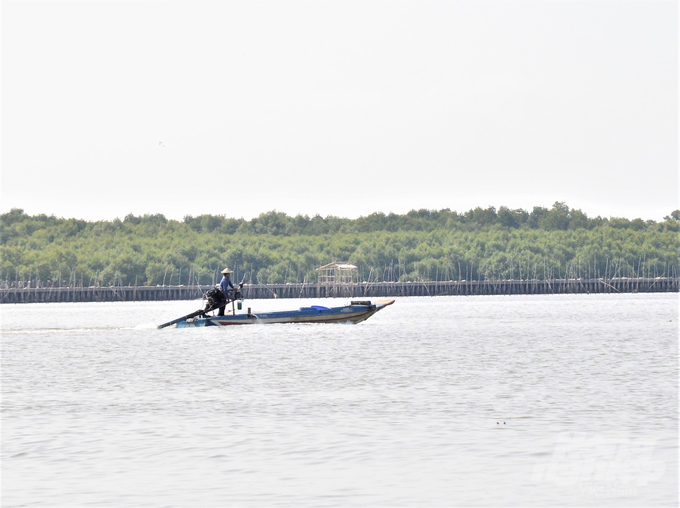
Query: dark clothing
(225, 284)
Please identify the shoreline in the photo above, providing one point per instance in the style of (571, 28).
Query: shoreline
(350, 290)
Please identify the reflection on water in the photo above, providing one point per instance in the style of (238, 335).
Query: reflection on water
(544, 400)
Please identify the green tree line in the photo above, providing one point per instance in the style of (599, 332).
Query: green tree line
(276, 248)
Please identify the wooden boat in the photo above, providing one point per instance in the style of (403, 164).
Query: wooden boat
(355, 312)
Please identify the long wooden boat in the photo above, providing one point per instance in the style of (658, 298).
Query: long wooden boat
(355, 312)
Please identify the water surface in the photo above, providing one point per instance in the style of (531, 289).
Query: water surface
(449, 401)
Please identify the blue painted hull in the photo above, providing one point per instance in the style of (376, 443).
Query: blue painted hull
(354, 313)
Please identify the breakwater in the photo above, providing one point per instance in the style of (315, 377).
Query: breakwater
(356, 290)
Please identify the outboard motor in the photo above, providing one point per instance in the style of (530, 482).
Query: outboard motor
(215, 299)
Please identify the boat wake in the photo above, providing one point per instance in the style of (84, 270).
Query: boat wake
(145, 326)
(38, 331)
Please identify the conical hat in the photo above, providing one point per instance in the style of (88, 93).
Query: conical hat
(227, 270)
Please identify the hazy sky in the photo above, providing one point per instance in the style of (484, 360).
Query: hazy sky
(338, 108)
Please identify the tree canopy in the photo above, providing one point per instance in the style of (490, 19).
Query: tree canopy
(483, 243)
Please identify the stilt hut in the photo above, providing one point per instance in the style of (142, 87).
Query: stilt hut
(334, 276)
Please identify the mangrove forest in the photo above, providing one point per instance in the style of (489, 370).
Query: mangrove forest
(274, 248)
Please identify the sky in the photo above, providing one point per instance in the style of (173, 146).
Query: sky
(338, 108)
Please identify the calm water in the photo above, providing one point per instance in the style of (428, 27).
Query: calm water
(447, 401)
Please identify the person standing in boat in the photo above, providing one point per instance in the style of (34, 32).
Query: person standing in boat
(225, 284)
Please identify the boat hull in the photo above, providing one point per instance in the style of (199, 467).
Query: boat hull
(354, 313)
